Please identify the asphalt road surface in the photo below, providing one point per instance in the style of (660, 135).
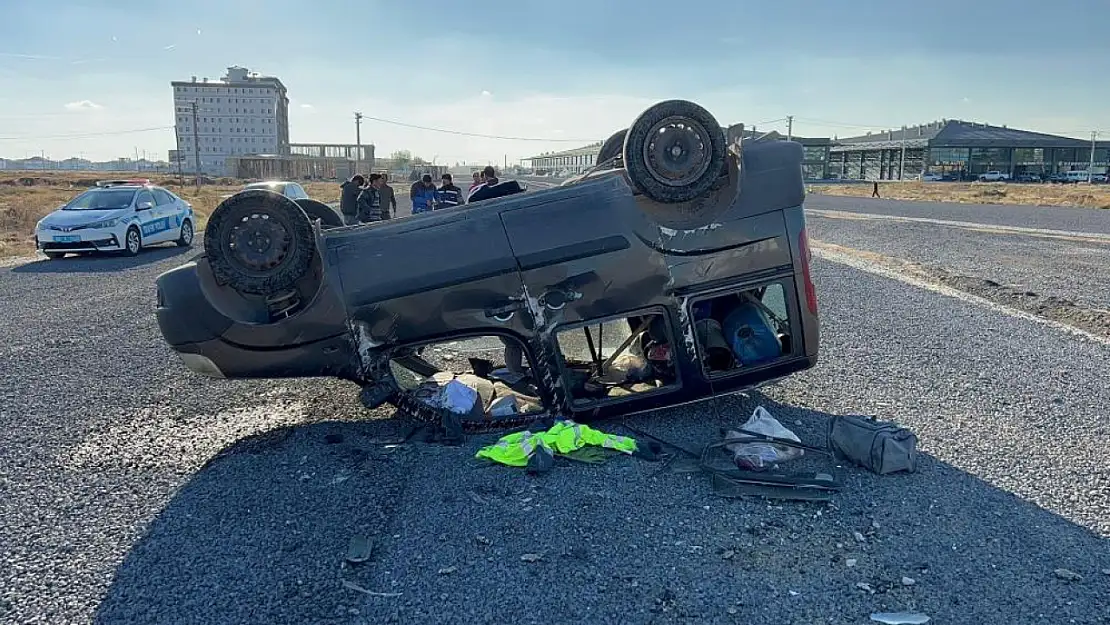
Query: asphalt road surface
(1060, 252)
(132, 491)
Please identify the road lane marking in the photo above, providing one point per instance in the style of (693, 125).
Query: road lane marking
(1070, 235)
(902, 271)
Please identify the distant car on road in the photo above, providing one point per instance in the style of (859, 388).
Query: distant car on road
(1029, 177)
(931, 178)
(291, 190)
(119, 216)
(313, 208)
(994, 176)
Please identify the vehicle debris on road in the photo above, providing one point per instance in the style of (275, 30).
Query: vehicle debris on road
(900, 618)
(1068, 575)
(758, 455)
(359, 549)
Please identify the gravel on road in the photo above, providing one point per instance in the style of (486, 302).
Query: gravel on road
(1062, 268)
(134, 491)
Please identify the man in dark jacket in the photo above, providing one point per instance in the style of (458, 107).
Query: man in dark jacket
(448, 194)
(491, 187)
(370, 201)
(389, 200)
(348, 198)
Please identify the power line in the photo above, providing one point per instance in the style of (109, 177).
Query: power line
(474, 134)
(89, 135)
(826, 122)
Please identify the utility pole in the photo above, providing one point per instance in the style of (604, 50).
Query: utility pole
(136, 148)
(902, 161)
(177, 157)
(789, 127)
(196, 146)
(1091, 166)
(358, 142)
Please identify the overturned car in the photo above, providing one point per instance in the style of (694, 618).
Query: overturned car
(675, 270)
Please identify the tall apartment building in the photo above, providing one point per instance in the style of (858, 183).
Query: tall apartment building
(242, 113)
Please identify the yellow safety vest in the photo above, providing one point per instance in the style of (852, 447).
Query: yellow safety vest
(564, 437)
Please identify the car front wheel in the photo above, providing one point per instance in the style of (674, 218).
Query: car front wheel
(132, 242)
(186, 238)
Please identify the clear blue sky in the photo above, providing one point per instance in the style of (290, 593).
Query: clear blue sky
(566, 69)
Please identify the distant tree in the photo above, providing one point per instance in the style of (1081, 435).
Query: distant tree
(401, 158)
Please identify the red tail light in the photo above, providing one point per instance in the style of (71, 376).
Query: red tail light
(811, 293)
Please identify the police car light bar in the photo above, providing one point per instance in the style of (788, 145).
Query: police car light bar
(112, 183)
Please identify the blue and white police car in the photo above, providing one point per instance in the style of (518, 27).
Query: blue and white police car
(119, 216)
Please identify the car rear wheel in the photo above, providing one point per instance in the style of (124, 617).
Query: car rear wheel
(612, 147)
(675, 152)
(259, 242)
(318, 210)
(132, 242)
(186, 238)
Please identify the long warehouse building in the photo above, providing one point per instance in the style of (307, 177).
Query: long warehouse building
(960, 150)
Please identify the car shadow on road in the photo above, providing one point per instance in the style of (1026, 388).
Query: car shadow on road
(260, 535)
(105, 262)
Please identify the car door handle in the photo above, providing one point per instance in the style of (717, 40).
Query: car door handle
(506, 312)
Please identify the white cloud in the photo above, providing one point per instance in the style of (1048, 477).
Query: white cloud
(170, 47)
(486, 93)
(83, 105)
(307, 106)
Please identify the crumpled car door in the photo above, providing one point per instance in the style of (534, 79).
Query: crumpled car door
(446, 273)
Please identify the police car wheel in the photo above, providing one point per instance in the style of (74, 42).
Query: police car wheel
(132, 242)
(259, 242)
(612, 147)
(186, 238)
(674, 152)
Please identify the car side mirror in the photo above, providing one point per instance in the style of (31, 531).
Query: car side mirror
(144, 206)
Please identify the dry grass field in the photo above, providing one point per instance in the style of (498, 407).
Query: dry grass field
(25, 197)
(1084, 195)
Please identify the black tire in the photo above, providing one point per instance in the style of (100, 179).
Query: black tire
(55, 255)
(318, 210)
(613, 146)
(259, 242)
(132, 242)
(650, 156)
(187, 234)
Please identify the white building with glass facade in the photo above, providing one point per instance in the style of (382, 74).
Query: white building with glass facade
(242, 113)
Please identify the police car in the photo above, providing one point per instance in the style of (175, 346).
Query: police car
(119, 216)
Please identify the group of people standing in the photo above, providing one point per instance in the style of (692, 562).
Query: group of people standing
(365, 200)
(362, 200)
